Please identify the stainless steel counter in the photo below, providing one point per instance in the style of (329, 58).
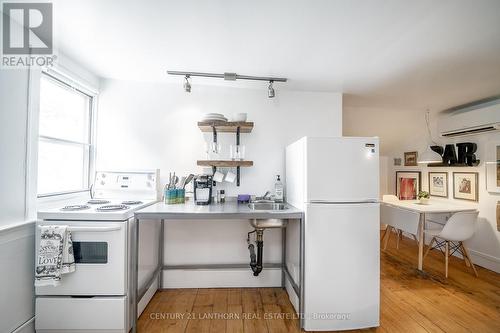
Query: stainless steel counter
(228, 210)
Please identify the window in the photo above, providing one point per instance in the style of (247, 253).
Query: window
(65, 144)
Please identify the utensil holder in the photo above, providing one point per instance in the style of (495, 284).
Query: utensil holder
(171, 197)
(181, 196)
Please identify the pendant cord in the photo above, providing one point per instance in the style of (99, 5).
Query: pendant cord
(427, 121)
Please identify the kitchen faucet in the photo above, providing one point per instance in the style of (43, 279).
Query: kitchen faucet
(266, 197)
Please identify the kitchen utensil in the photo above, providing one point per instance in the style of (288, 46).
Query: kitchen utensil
(239, 117)
(214, 150)
(237, 152)
(214, 117)
(218, 176)
(188, 180)
(230, 177)
(182, 182)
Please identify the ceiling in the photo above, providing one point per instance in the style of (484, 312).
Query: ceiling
(386, 53)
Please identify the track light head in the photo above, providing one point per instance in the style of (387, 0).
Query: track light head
(270, 90)
(187, 84)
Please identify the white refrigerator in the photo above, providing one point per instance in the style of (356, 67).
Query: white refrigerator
(335, 180)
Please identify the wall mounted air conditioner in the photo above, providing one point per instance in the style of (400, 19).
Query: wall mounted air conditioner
(470, 119)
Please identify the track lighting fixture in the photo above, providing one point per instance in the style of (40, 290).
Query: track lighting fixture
(230, 77)
(187, 85)
(270, 90)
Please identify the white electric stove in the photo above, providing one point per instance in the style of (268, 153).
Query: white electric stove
(96, 297)
(96, 210)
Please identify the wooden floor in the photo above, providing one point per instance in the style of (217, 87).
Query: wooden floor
(410, 301)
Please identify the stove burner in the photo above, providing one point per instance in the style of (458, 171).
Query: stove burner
(74, 208)
(131, 202)
(112, 208)
(98, 202)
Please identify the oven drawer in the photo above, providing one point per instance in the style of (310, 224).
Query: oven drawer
(68, 314)
(101, 259)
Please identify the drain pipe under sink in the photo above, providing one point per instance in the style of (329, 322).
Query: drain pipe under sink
(256, 260)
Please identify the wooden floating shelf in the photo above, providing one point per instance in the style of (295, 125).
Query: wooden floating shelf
(224, 164)
(441, 165)
(225, 126)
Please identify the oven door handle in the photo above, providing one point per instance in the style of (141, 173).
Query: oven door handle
(94, 229)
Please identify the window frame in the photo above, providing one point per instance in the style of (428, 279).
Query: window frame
(68, 82)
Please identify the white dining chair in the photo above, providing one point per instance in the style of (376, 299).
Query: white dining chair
(389, 228)
(450, 238)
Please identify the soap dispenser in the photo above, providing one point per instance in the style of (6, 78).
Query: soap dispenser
(278, 189)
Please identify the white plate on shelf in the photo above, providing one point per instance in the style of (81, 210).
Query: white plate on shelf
(214, 119)
(213, 115)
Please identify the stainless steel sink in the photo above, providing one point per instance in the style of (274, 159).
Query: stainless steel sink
(267, 206)
(268, 223)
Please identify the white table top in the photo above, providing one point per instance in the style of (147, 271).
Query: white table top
(434, 206)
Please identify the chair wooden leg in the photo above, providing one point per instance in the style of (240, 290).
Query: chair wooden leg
(468, 258)
(446, 255)
(384, 234)
(430, 247)
(387, 236)
(398, 237)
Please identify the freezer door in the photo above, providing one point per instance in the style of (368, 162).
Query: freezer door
(342, 273)
(342, 169)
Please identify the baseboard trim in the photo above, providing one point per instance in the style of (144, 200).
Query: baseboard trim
(478, 258)
(28, 326)
(220, 278)
(485, 260)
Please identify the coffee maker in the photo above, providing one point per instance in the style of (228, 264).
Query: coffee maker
(203, 189)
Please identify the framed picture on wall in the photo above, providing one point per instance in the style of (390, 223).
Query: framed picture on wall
(438, 184)
(408, 184)
(465, 186)
(411, 158)
(493, 168)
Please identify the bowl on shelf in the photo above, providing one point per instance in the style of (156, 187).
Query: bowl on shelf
(239, 117)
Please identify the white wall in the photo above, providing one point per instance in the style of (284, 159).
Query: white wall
(485, 245)
(145, 125)
(384, 182)
(18, 194)
(16, 238)
(13, 118)
(404, 130)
